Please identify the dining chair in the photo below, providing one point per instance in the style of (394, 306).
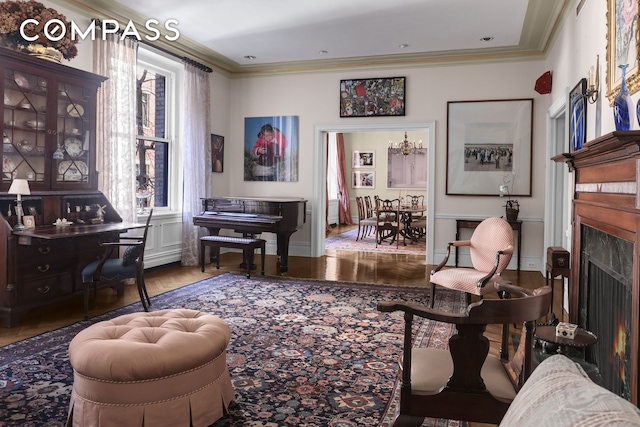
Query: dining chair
(109, 270)
(365, 225)
(464, 382)
(389, 222)
(369, 206)
(490, 248)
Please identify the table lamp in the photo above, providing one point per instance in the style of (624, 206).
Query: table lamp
(19, 187)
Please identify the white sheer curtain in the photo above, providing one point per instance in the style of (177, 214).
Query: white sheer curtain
(196, 157)
(116, 126)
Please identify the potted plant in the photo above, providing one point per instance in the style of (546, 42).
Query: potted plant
(14, 13)
(512, 207)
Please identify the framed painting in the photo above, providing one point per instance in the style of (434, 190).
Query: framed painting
(364, 159)
(271, 148)
(364, 179)
(488, 142)
(217, 153)
(578, 116)
(622, 46)
(372, 97)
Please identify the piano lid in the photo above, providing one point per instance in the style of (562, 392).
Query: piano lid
(260, 199)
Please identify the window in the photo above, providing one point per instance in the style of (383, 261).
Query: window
(156, 120)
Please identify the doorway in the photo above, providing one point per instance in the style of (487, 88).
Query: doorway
(320, 181)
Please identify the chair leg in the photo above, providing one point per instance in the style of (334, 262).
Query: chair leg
(86, 300)
(408, 421)
(142, 290)
(432, 295)
(202, 248)
(262, 254)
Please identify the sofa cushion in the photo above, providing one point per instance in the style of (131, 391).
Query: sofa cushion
(559, 393)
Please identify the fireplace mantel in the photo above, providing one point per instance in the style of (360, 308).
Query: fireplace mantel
(606, 174)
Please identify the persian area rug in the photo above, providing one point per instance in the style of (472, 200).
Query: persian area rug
(347, 242)
(302, 353)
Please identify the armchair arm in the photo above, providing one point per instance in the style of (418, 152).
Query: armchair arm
(110, 246)
(420, 310)
(484, 280)
(446, 258)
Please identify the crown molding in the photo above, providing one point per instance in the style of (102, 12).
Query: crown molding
(543, 20)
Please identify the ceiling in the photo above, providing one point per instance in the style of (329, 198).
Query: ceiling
(299, 35)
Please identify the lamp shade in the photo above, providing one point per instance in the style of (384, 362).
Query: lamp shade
(19, 186)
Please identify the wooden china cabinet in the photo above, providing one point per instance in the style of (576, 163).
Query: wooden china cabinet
(49, 138)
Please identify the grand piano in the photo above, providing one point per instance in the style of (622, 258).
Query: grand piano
(253, 215)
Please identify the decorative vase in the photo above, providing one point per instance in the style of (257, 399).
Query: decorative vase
(622, 104)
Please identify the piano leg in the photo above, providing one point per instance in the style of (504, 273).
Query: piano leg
(214, 253)
(283, 249)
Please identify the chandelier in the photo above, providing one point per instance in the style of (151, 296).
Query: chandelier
(406, 147)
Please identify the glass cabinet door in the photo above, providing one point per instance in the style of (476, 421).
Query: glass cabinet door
(24, 127)
(72, 150)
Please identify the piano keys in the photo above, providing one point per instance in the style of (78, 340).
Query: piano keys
(252, 215)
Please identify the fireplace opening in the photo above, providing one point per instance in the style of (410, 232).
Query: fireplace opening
(605, 297)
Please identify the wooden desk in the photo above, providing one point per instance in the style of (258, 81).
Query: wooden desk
(473, 223)
(45, 264)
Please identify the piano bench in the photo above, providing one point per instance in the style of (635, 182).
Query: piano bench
(248, 245)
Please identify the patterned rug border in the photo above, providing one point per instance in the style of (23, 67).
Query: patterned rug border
(29, 346)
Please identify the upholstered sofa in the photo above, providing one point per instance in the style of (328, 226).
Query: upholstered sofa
(560, 394)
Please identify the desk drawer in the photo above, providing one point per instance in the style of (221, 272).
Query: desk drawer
(42, 290)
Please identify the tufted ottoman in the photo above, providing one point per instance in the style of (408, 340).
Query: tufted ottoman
(163, 368)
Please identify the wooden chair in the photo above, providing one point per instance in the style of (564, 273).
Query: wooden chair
(365, 224)
(465, 382)
(369, 207)
(108, 270)
(490, 247)
(418, 219)
(388, 221)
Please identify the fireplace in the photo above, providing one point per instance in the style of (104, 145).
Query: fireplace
(604, 290)
(605, 295)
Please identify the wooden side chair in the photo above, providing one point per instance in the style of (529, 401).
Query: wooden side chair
(389, 221)
(109, 270)
(490, 247)
(464, 382)
(365, 224)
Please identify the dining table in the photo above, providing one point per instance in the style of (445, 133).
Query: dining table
(408, 214)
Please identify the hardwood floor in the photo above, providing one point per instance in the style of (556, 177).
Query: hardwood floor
(382, 268)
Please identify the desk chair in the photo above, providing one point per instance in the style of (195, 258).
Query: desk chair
(109, 270)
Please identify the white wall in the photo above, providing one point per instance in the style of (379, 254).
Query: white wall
(314, 98)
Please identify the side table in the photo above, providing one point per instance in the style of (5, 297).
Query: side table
(558, 264)
(582, 339)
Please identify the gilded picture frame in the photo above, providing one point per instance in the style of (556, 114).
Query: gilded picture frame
(622, 46)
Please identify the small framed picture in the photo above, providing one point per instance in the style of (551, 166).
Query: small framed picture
(364, 179)
(217, 153)
(364, 159)
(29, 221)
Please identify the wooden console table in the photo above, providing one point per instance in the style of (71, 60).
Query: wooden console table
(473, 223)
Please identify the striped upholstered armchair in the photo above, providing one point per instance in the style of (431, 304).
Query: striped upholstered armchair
(490, 248)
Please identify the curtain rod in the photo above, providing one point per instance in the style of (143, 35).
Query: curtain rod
(184, 59)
